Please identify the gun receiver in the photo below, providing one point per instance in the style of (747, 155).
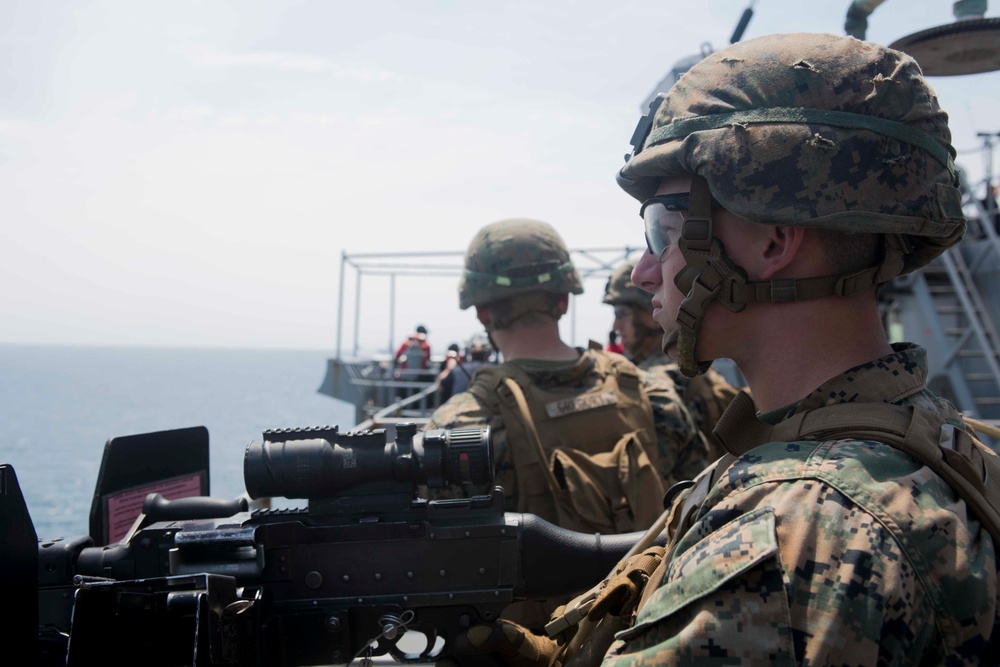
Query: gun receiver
(365, 564)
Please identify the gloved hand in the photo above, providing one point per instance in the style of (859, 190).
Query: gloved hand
(611, 611)
(513, 644)
(621, 594)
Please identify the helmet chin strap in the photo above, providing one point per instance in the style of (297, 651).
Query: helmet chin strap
(709, 275)
(699, 249)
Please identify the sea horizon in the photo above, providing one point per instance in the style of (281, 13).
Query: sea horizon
(60, 404)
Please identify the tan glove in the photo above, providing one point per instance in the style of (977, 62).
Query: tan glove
(513, 644)
(621, 594)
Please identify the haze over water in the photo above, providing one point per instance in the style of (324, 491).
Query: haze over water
(59, 405)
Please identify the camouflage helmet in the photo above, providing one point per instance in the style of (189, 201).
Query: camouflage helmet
(811, 130)
(621, 290)
(513, 257)
(478, 342)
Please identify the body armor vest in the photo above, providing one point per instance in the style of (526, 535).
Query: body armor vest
(577, 426)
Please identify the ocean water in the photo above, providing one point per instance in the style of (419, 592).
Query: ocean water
(59, 405)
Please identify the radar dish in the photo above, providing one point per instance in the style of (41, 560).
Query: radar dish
(969, 46)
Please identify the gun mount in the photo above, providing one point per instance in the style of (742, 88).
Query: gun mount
(203, 581)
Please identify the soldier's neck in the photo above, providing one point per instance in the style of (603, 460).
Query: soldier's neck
(541, 342)
(803, 345)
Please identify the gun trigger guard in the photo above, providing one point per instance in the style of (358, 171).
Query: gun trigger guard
(571, 616)
(426, 654)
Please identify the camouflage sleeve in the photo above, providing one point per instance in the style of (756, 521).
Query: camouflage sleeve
(461, 410)
(796, 572)
(682, 448)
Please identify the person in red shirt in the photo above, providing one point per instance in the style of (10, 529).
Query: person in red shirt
(415, 352)
(614, 345)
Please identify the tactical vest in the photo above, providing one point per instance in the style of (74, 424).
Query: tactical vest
(582, 455)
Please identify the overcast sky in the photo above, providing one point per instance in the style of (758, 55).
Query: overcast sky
(189, 173)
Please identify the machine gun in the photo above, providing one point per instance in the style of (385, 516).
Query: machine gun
(367, 569)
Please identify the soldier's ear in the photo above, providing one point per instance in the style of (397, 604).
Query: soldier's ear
(780, 248)
(563, 304)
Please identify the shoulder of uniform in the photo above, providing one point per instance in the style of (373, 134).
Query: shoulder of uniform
(461, 409)
(487, 380)
(659, 384)
(853, 465)
(658, 371)
(874, 477)
(611, 362)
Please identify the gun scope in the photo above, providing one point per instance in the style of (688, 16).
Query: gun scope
(322, 463)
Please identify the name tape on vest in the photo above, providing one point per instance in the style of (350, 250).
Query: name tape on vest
(580, 404)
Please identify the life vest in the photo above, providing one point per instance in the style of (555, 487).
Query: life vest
(415, 354)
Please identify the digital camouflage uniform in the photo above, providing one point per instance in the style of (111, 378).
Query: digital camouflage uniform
(841, 552)
(681, 451)
(705, 396)
(825, 552)
(828, 552)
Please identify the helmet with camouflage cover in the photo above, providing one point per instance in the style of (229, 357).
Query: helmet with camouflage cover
(800, 130)
(478, 348)
(812, 130)
(620, 290)
(514, 257)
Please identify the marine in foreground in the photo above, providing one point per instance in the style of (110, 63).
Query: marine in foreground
(781, 181)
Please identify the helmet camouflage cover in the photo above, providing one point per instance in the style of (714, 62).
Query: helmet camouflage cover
(621, 290)
(513, 257)
(812, 130)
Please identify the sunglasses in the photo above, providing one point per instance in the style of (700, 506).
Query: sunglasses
(662, 216)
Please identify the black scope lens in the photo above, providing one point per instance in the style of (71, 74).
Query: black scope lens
(459, 455)
(321, 463)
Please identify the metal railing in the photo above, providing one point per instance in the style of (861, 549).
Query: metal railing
(416, 409)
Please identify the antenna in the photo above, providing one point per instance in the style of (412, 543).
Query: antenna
(742, 25)
(686, 63)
